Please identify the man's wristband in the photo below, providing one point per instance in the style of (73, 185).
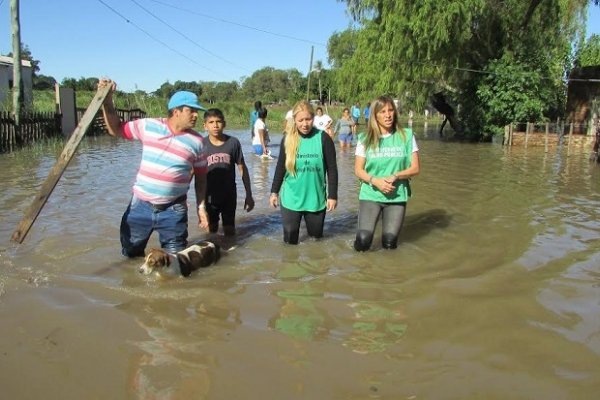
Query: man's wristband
(371, 181)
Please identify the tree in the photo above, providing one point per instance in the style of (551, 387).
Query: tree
(589, 54)
(195, 87)
(43, 82)
(317, 68)
(414, 49)
(26, 55)
(40, 82)
(89, 84)
(511, 92)
(213, 92)
(165, 90)
(273, 85)
(340, 47)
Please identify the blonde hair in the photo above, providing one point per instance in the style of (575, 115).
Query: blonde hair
(373, 130)
(292, 136)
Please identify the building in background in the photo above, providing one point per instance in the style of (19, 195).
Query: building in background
(6, 80)
(583, 97)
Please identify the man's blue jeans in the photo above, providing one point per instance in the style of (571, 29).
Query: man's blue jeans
(142, 218)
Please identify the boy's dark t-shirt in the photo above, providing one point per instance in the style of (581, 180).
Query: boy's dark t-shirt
(222, 162)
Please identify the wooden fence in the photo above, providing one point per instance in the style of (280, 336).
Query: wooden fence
(38, 126)
(97, 127)
(549, 134)
(35, 126)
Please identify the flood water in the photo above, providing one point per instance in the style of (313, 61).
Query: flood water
(493, 293)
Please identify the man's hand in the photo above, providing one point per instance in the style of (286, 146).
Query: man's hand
(103, 82)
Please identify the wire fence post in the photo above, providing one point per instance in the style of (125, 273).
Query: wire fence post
(569, 139)
(546, 138)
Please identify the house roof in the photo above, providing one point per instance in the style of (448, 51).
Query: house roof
(5, 60)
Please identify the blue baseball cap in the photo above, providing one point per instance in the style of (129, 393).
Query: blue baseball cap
(184, 98)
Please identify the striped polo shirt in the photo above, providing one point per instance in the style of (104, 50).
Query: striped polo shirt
(169, 159)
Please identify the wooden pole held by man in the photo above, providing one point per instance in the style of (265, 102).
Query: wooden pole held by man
(59, 167)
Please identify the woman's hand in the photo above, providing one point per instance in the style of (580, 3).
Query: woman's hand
(385, 185)
(331, 204)
(249, 204)
(274, 200)
(391, 179)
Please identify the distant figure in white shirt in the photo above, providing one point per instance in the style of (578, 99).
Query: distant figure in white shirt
(323, 122)
(260, 138)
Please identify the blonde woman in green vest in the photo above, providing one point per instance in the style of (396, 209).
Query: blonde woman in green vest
(387, 156)
(306, 174)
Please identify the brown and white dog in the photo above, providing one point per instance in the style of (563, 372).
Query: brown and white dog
(182, 263)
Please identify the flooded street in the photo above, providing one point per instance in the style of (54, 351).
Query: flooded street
(493, 292)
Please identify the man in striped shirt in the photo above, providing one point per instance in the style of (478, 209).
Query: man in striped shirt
(171, 157)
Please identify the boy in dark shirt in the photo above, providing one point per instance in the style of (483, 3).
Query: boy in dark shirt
(223, 153)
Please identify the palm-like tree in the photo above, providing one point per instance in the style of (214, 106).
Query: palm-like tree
(317, 68)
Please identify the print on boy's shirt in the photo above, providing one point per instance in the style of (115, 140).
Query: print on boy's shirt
(218, 158)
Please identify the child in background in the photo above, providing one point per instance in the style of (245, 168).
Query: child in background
(261, 140)
(223, 153)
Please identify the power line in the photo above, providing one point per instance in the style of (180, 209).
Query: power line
(154, 38)
(188, 38)
(241, 25)
(479, 71)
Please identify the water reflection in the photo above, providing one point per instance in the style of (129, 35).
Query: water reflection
(172, 363)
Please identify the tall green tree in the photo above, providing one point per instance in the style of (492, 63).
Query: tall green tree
(341, 46)
(214, 92)
(413, 49)
(26, 55)
(40, 82)
(88, 84)
(589, 54)
(272, 85)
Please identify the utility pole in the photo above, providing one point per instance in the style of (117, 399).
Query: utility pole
(16, 44)
(312, 49)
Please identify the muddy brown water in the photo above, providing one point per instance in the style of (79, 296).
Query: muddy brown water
(493, 293)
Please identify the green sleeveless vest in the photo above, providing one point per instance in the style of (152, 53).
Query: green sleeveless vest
(393, 154)
(306, 191)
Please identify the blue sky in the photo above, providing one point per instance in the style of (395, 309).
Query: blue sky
(144, 43)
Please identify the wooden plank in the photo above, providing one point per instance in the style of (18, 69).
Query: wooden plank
(59, 167)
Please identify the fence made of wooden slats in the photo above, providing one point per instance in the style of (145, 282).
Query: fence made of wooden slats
(38, 126)
(35, 126)
(99, 128)
(550, 134)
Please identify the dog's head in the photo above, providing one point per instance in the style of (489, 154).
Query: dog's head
(156, 260)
